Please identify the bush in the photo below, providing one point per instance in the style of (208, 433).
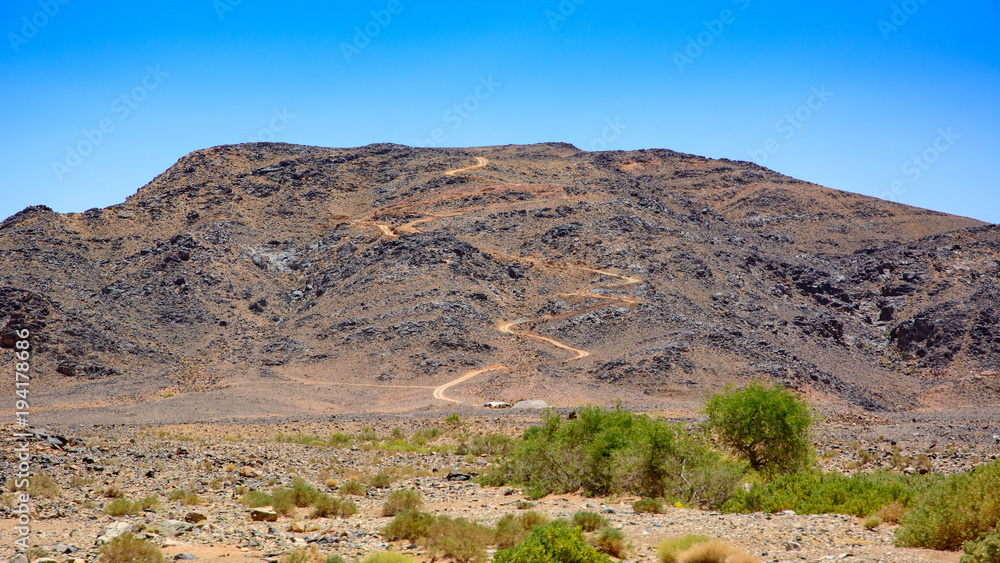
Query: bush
(256, 499)
(959, 508)
(302, 493)
(283, 502)
(387, 557)
(767, 426)
(353, 488)
(648, 506)
(814, 492)
(892, 512)
(612, 541)
(400, 500)
(458, 539)
(668, 549)
(554, 543)
(381, 480)
(121, 507)
(326, 506)
(148, 502)
(41, 485)
(186, 497)
(610, 452)
(589, 521)
(984, 550)
(714, 551)
(872, 522)
(512, 530)
(310, 555)
(127, 548)
(408, 525)
(334, 559)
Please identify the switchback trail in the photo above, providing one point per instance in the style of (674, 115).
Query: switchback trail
(504, 327)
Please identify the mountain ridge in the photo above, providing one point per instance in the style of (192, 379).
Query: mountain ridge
(278, 278)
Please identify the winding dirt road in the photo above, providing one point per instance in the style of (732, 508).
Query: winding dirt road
(504, 327)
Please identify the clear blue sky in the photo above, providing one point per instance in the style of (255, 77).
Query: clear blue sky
(844, 94)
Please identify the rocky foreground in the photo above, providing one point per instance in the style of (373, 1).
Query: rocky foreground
(213, 464)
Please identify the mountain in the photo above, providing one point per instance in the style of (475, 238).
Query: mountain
(269, 278)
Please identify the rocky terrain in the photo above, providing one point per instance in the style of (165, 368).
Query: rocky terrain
(91, 467)
(274, 280)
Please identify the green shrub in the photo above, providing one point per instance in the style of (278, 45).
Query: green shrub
(609, 452)
(408, 525)
(554, 543)
(984, 550)
(334, 558)
(381, 480)
(957, 509)
(127, 548)
(386, 557)
(326, 506)
(612, 541)
(767, 426)
(490, 444)
(400, 500)
(303, 494)
(186, 497)
(148, 502)
(458, 539)
(668, 549)
(588, 521)
(815, 492)
(353, 488)
(283, 501)
(512, 530)
(872, 522)
(648, 506)
(255, 499)
(41, 485)
(121, 507)
(714, 551)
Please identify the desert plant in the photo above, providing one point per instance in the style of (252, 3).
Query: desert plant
(381, 480)
(891, 512)
(556, 542)
(457, 538)
(386, 557)
(668, 549)
(986, 549)
(127, 548)
(302, 493)
(611, 541)
(648, 506)
(255, 499)
(872, 522)
(40, 485)
(353, 488)
(588, 521)
(186, 497)
(815, 492)
(114, 492)
(714, 551)
(325, 506)
(767, 426)
(616, 451)
(957, 509)
(512, 530)
(148, 502)
(122, 507)
(333, 558)
(283, 501)
(400, 500)
(408, 525)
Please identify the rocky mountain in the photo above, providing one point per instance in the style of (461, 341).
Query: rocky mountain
(270, 278)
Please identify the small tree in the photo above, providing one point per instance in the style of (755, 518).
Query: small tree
(767, 426)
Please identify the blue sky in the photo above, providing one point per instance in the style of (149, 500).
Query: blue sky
(894, 99)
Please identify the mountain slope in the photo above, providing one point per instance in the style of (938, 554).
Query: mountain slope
(272, 278)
